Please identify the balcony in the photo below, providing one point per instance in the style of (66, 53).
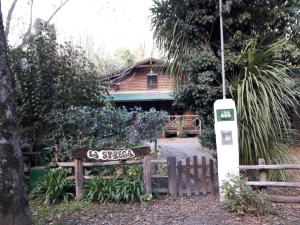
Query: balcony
(188, 124)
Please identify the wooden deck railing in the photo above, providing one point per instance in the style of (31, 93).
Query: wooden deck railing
(264, 183)
(191, 124)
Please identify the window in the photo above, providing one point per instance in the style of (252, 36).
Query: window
(152, 80)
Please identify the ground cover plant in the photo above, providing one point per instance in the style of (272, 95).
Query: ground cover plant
(125, 189)
(54, 187)
(240, 198)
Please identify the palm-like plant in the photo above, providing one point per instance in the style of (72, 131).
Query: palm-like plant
(265, 96)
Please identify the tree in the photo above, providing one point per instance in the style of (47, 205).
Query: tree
(123, 57)
(13, 201)
(189, 32)
(50, 77)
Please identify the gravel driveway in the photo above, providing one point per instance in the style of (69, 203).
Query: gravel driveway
(180, 148)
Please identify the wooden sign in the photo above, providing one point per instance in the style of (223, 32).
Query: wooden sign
(110, 154)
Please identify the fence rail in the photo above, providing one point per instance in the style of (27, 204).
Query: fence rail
(190, 177)
(264, 183)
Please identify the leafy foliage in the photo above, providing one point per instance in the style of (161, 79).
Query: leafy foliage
(49, 77)
(54, 187)
(127, 189)
(240, 198)
(106, 127)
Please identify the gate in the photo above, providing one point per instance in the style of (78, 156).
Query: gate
(191, 177)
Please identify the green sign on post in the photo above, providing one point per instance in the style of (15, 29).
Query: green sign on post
(225, 115)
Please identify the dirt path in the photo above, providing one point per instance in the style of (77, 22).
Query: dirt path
(180, 148)
(179, 211)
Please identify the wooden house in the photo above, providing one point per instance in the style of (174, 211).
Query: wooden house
(146, 84)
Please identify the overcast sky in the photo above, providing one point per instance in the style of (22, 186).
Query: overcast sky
(109, 24)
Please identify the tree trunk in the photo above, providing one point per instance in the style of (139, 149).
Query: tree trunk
(13, 201)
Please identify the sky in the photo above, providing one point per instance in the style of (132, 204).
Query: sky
(104, 24)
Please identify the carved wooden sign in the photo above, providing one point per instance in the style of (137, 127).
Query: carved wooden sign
(110, 154)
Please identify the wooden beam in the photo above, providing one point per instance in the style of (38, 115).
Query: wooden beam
(270, 167)
(147, 174)
(95, 164)
(273, 184)
(65, 164)
(172, 182)
(79, 178)
(283, 199)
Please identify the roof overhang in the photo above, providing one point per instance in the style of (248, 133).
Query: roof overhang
(141, 96)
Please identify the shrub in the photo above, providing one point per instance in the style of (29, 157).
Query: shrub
(208, 138)
(54, 187)
(125, 190)
(240, 198)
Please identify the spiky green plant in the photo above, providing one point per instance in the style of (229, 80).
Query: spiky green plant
(265, 97)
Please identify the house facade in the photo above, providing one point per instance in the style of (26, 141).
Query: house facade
(147, 84)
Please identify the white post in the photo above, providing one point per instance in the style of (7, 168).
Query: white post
(227, 140)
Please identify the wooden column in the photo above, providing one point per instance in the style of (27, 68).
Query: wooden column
(262, 174)
(79, 178)
(180, 178)
(147, 174)
(204, 182)
(196, 175)
(212, 176)
(172, 182)
(188, 177)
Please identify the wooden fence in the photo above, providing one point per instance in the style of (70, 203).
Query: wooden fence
(183, 177)
(264, 183)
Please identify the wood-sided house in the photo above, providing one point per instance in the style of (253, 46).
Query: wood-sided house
(146, 84)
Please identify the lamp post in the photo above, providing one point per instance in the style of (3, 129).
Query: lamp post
(226, 128)
(222, 45)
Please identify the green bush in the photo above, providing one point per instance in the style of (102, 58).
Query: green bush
(128, 189)
(240, 197)
(54, 187)
(208, 138)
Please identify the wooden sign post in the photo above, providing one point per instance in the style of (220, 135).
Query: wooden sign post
(107, 155)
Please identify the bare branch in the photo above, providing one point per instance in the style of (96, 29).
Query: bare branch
(8, 18)
(28, 32)
(57, 9)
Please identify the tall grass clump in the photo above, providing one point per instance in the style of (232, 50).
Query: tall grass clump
(265, 96)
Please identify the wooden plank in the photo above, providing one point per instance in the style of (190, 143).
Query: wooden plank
(172, 183)
(160, 176)
(158, 161)
(65, 164)
(95, 164)
(78, 178)
(147, 174)
(203, 177)
(180, 180)
(283, 199)
(270, 167)
(188, 177)
(273, 184)
(212, 176)
(110, 154)
(196, 175)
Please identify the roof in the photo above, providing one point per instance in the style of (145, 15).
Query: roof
(141, 96)
(118, 74)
